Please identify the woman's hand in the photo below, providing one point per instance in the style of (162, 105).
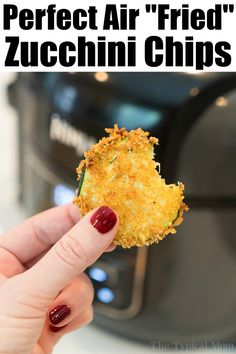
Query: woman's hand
(43, 290)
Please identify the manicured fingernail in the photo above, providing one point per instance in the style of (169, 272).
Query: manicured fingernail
(56, 329)
(59, 314)
(104, 219)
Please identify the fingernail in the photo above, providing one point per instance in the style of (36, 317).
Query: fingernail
(56, 329)
(104, 219)
(59, 314)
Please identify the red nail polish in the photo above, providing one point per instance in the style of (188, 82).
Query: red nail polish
(56, 329)
(59, 314)
(104, 219)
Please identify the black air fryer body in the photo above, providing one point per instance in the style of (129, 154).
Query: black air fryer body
(184, 289)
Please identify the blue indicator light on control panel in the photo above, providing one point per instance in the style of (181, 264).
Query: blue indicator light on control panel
(62, 194)
(105, 295)
(98, 274)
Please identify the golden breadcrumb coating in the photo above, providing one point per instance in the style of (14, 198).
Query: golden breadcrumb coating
(121, 173)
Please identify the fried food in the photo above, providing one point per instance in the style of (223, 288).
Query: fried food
(120, 171)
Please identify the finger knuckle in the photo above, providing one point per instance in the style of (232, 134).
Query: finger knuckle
(70, 250)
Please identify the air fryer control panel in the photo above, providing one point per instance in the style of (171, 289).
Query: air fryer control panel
(118, 282)
(113, 280)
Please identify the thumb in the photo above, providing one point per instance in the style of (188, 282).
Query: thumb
(73, 253)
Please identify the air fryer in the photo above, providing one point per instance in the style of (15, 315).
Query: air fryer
(183, 289)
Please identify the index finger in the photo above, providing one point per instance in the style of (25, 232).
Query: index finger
(40, 232)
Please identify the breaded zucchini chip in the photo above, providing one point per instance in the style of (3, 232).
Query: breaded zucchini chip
(120, 171)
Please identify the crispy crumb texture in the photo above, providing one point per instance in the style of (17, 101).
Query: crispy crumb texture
(120, 172)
